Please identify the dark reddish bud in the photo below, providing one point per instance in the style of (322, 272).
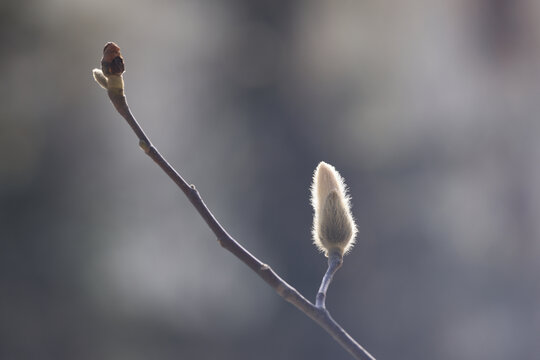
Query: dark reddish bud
(112, 62)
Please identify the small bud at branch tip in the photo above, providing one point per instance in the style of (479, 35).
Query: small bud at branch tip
(112, 62)
(100, 78)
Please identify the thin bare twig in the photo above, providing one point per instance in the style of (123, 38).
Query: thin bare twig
(111, 69)
(335, 260)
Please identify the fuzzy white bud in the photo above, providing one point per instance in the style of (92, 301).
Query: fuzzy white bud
(334, 229)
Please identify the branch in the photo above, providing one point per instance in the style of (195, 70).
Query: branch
(110, 77)
(335, 260)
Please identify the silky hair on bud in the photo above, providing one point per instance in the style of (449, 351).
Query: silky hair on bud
(334, 229)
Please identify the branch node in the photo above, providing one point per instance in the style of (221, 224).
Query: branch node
(221, 242)
(145, 146)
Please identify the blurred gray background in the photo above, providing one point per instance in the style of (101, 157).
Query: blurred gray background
(429, 109)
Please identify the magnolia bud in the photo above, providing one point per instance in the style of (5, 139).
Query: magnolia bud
(109, 76)
(334, 229)
(112, 62)
(100, 78)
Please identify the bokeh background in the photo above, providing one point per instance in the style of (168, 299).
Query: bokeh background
(429, 109)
